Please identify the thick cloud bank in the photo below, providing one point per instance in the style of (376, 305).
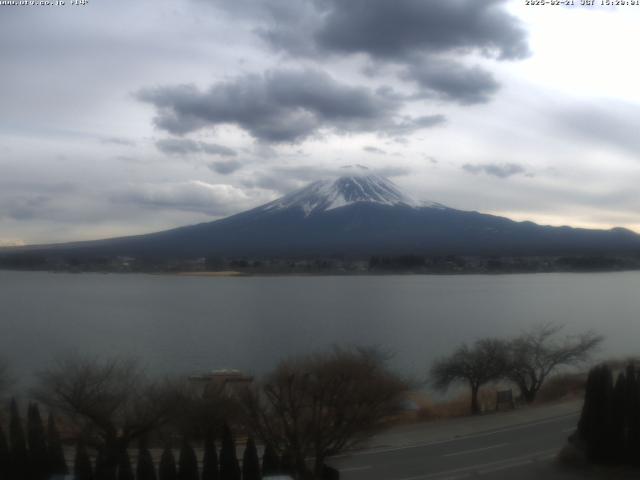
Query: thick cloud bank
(282, 106)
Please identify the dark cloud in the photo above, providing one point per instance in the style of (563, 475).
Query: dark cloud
(185, 146)
(282, 106)
(29, 200)
(225, 167)
(25, 207)
(426, 37)
(177, 146)
(502, 170)
(372, 149)
(393, 29)
(215, 149)
(452, 81)
(119, 141)
(358, 167)
(32, 202)
(388, 30)
(273, 181)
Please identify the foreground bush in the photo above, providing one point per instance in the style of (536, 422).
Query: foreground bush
(38, 455)
(609, 427)
(321, 405)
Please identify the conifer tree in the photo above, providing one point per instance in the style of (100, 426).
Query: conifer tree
(125, 472)
(100, 466)
(4, 456)
(607, 432)
(82, 468)
(250, 462)
(595, 425)
(167, 469)
(19, 462)
(38, 455)
(270, 461)
(603, 442)
(145, 469)
(633, 416)
(57, 462)
(330, 473)
(619, 422)
(188, 462)
(229, 468)
(287, 466)
(210, 469)
(105, 469)
(586, 424)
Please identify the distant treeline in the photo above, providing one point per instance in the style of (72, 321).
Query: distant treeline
(337, 264)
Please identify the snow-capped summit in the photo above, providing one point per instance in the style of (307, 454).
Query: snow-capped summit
(324, 195)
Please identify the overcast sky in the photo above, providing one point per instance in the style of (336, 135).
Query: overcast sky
(123, 117)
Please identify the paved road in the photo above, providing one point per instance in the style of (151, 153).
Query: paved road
(518, 451)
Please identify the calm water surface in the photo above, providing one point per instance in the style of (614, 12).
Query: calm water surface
(191, 324)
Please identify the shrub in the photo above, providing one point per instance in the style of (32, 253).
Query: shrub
(609, 425)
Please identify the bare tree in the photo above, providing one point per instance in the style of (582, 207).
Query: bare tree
(111, 399)
(534, 355)
(477, 365)
(320, 405)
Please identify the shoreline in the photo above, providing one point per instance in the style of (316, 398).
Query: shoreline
(225, 273)
(235, 273)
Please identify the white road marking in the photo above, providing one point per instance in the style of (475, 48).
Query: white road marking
(509, 465)
(375, 451)
(474, 450)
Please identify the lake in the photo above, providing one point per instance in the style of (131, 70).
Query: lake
(178, 324)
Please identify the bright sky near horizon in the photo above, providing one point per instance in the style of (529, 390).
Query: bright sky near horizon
(122, 117)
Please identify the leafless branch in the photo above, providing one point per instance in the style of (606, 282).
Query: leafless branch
(320, 405)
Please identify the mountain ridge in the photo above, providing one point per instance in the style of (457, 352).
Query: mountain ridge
(354, 215)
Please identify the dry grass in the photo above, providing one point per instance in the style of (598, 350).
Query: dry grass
(457, 406)
(568, 386)
(564, 386)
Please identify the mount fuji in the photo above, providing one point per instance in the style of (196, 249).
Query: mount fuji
(325, 195)
(357, 216)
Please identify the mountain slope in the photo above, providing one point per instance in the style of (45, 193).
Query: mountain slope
(358, 216)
